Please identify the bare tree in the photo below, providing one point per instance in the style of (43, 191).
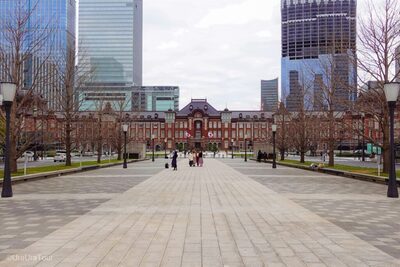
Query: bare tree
(25, 48)
(300, 126)
(379, 36)
(119, 108)
(282, 118)
(70, 79)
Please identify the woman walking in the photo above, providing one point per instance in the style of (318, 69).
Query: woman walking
(191, 159)
(201, 159)
(174, 163)
(197, 159)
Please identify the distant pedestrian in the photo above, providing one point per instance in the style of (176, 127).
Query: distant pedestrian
(174, 163)
(190, 156)
(197, 159)
(201, 161)
(259, 155)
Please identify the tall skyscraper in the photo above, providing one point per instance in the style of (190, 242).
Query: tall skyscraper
(269, 95)
(47, 35)
(110, 46)
(318, 40)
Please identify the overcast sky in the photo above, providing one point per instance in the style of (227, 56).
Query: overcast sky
(214, 49)
(219, 50)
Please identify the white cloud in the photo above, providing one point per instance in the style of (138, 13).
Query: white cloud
(168, 45)
(239, 13)
(220, 50)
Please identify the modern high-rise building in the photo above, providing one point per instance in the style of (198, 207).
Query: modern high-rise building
(269, 95)
(155, 98)
(318, 51)
(110, 45)
(47, 35)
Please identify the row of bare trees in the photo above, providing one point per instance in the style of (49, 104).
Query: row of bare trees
(378, 39)
(42, 71)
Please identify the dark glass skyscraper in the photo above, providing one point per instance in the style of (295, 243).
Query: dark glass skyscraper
(318, 39)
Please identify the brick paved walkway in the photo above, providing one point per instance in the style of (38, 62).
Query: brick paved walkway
(359, 207)
(211, 216)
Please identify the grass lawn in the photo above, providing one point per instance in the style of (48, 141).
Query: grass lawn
(59, 167)
(355, 169)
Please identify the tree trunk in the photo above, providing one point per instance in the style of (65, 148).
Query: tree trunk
(331, 155)
(68, 161)
(302, 157)
(282, 151)
(99, 152)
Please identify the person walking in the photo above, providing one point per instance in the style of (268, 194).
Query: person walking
(197, 159)
(201, 162)
(190, 156)
(174, 163)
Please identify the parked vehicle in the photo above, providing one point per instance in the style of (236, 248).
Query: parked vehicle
(28, 154)
(61, 157)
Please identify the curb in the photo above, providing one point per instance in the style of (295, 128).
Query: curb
(346, 174)
(47, 175)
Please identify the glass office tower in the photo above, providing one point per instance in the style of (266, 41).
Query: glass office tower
(155, 98)
(269, 95)
(318, 39)
(53, 23)
(110, 47)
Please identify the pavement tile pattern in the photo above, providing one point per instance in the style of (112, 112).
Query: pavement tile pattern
(356, 206)
(40, 207)
(210, 216)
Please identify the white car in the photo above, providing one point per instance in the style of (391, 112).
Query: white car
(60, 157)
(28, 155)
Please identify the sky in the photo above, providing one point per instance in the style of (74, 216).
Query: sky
(214, 49)
(219, 50)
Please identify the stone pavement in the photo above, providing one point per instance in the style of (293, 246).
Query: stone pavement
(210, 216)
(40, 207)
(357, 206)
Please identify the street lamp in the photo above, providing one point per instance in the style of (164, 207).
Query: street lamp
(362, 136)
(34, 133)
(152, 139)
(165, 147)
(245, 147)
(392, 93)
(125, 130)
(273, 141)
(8, 91)
(232, 147)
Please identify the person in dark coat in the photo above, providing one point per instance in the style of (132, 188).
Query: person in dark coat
(259, 156)
(174, 163)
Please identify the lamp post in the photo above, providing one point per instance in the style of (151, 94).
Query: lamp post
(8, 94)
(245, 147)
(34, 133)
(165, 147)
(152, 140)
(233, 142)
(362, 136)
(392, 93)
(273, 141)
(125, 130)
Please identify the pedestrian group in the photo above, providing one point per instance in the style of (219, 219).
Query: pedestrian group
(195, 159)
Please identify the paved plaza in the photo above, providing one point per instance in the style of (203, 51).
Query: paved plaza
(228, 213)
